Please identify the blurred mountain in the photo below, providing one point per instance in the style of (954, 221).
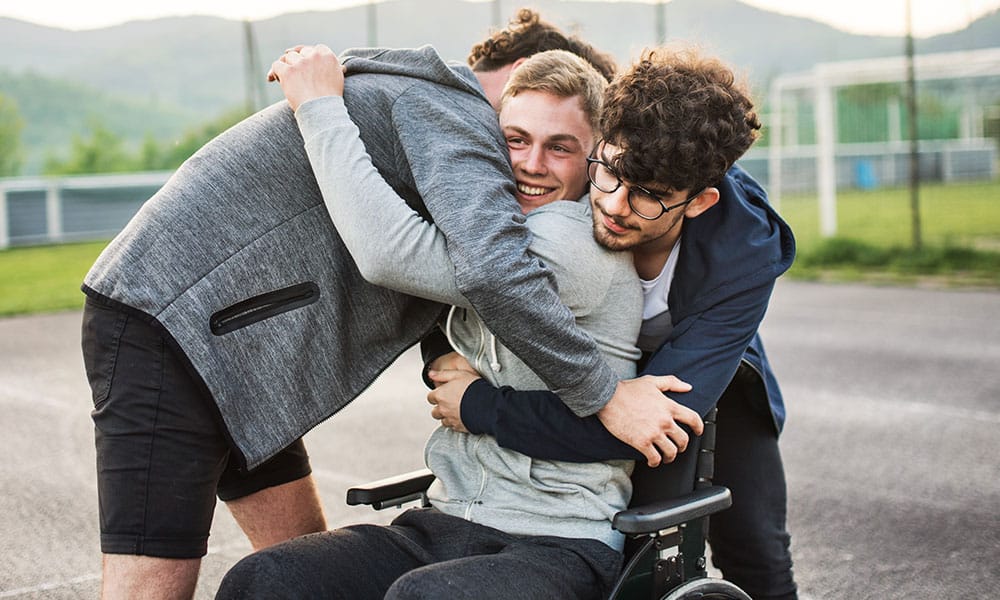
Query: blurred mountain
(181, 71)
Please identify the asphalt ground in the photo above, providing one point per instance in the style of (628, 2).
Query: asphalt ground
(891, 447)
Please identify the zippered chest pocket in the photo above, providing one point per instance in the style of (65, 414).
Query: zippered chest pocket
(263, 306)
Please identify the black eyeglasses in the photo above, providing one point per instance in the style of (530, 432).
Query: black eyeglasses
(644, 203)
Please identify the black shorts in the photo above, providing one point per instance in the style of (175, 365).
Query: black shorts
(162, 456)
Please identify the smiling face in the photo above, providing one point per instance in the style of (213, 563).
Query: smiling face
(549, 138)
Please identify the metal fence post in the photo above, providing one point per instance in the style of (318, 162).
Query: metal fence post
(826, 168)
(53, 212)
(4, 227)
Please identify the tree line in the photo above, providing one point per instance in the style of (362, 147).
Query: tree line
(100, 150)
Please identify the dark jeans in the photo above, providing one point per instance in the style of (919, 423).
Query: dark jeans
(425, 554)
(750, 543)
(161, 455)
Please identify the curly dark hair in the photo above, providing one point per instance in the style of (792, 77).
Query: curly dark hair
(528, 34)
(680, 119)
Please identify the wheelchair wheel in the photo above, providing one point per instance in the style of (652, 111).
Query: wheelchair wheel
(707, 589)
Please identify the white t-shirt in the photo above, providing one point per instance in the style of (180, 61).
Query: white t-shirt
(656, 323)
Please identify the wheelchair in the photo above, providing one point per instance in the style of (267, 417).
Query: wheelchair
(666, 523)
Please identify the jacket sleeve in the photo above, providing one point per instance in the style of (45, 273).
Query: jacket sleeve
(537, 424)
(434, 345)
(463, 176)
(390, 243)
(704, 350)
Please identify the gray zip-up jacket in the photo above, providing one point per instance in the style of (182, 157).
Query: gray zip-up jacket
(237, 259)
(476, 478)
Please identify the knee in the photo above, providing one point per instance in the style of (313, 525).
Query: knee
(259, 575)
(319, 565)
(405, 588)
(422, 584)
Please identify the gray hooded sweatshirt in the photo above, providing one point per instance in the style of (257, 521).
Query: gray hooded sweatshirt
(237, 260)
(476, 478)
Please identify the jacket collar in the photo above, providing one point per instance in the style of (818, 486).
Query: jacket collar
(738, 244)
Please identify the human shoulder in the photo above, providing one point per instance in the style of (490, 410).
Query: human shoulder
(563, 239)
(563, 230)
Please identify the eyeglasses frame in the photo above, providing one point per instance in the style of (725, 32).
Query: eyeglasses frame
(633, 187)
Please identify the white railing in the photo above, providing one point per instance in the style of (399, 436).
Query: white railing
(47, 210)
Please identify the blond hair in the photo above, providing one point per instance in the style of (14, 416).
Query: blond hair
(562, 74)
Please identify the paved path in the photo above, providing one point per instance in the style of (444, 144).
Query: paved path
(891, 447)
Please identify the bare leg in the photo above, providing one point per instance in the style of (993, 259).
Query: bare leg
(131, 577)
(279, 513)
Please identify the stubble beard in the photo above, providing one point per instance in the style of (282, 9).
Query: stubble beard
(609, 240)
(634, 239)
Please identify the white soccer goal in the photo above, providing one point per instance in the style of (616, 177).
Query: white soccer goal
(843, 125)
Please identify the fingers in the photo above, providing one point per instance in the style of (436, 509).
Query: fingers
(651, 453)
(446, 421)
(432, 397)
(452, 360)
(433, 400)
(669, 383)
(281, 66)
(678, 438)
(675, 439)
(444, 376)
(664, 448)
(442, 361)
(277, 69)
(671, 439)
(692, 419)
(292, 56)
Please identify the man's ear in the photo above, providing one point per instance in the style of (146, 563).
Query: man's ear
(517, 63)
(703, 202)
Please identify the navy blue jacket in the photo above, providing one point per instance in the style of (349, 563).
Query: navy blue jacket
(730, 257)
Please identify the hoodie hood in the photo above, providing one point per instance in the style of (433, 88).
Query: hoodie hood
(738, 244)
(419, 63)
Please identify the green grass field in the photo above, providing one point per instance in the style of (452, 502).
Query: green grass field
(961, 233)
(966, 215)
(44, 278)
(960, 230)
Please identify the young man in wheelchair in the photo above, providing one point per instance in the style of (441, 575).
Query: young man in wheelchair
(506, 543)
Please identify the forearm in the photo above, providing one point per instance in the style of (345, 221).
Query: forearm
(537, 424)
(391, 244)
(706, 354)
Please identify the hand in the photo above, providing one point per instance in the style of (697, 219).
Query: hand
(642, 417)
(308, 72)
(446, 397)
(453, 361)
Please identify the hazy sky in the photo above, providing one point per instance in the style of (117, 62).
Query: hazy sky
(879, 17)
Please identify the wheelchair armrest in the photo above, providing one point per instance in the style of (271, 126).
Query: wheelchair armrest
(392, 491)
(664, 514)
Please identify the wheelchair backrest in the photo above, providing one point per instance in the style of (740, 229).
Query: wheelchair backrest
(692, 468)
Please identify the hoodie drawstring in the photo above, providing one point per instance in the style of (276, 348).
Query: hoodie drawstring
(494, 359)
